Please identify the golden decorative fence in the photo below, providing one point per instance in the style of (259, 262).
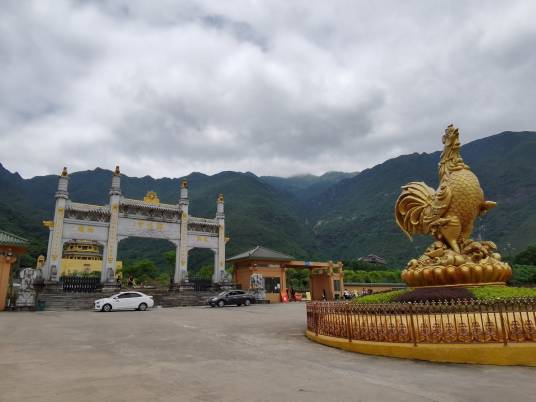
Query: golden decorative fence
(462, 321)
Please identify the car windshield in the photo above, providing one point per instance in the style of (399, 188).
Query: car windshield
(116, 295)
(223, 294)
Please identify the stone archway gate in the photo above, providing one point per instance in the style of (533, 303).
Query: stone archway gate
(124, 217)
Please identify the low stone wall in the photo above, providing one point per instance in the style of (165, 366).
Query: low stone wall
(495, 332)
(57, 299)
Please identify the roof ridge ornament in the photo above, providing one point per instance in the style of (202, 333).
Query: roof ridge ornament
(151, 198)
(64, 172)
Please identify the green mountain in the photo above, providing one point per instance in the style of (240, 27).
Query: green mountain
(355, 216)
(305, 186)
(333, 216)
(256, 213)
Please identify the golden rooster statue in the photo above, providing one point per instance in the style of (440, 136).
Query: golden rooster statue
(449, 214)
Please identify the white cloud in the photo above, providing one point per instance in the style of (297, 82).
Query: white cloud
(271, 87)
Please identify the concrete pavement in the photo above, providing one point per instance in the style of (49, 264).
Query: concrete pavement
(256, 353)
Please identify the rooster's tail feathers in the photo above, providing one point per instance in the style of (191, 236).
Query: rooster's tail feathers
(414, 199)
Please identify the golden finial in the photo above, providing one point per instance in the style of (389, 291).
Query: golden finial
(151, 198)
(64, 171)
(220, 197)
(117, 172)
(184, 183)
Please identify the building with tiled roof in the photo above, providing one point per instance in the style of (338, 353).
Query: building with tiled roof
(261, 253)
(11, 245)
(9, 239)
(325, 278)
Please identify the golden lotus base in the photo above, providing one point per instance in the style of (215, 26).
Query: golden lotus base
(514, 354)
(491, 271)
(462, 285)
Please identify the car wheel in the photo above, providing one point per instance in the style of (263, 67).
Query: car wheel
(142, 307)
(247, 302)
(107, 307)
(221, 303)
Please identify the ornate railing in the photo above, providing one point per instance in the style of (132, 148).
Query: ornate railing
(80, 284)
(462, 321)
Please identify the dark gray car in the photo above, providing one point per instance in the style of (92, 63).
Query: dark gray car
(238, 297)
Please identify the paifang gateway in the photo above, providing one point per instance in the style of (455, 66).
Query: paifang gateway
(123, 217)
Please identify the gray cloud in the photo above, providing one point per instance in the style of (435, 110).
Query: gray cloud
(272, 87)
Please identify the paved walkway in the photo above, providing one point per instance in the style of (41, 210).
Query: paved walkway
(256, 353)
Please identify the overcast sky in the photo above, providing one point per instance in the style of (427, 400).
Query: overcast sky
(273, 87)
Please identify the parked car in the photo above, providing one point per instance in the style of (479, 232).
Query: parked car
(237, 297)
(125, 301)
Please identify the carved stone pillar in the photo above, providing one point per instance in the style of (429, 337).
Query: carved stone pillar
(182, 251)
(53, 264)
(219, 260)
(109, 264)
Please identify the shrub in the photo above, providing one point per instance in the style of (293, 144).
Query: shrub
(523, 274)
(384, 297)
(434, 294)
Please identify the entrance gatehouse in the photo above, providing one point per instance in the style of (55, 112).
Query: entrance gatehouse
(326, 279)
(123, 217)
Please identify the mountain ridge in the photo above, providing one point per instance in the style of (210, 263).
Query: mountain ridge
(342, 216)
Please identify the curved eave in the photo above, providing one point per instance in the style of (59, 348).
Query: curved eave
(156, 207)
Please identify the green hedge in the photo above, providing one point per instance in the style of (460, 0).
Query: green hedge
(502, 292)
(392, 276)
(480, 293)
(385, 297)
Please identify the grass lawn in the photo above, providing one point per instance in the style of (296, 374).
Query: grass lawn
(503, 292)
(480, 293)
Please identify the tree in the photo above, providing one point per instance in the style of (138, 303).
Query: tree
(206, 272)
(141, 270)
(298, 278)
(391, 276)
(526, 257)
(170, 257)
(358, 265)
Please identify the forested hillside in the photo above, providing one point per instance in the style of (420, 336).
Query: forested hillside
(334, 216)
(303, 187)
(355, 216)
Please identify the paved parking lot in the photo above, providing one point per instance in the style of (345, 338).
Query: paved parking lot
(256, 353)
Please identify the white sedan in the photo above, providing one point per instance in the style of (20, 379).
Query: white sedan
(125, 301)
